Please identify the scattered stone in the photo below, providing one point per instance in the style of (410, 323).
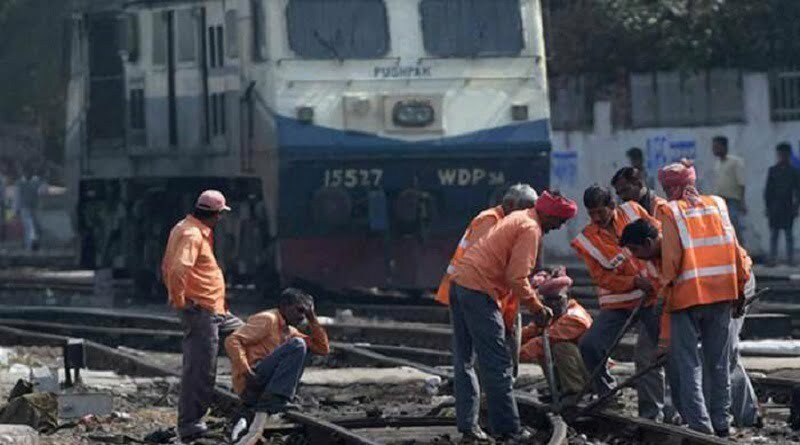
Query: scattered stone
(78, 405)
(18, 435)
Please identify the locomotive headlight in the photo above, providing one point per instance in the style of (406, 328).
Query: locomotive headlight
(414, 113)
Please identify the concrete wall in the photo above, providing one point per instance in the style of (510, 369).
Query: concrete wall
(581, 159)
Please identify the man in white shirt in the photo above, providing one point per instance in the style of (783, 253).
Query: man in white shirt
(730, 183)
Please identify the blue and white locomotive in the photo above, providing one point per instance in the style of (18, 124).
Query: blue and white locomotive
(354, 138)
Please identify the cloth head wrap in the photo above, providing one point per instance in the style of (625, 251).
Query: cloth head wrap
(548, 284)
(678, 180)
(556, 206)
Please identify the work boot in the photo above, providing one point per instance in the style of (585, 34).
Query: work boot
(723, 433)
(476, 436)
(241, 423)
(195, 432)
(521, 437)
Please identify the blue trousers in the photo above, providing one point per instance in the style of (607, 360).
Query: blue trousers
(709, 325)
(744, 401)
(597, 340)
(279, 373)
(478, 328)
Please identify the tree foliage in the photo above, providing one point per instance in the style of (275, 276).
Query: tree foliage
(643, 35)
(31, 67)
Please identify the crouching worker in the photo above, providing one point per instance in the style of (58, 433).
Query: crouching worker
(268, 353)
(571, 321)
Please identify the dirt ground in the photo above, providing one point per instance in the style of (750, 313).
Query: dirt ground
(146, 405)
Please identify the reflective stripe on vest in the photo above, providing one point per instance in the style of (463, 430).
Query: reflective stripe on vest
(706, 272)
(606, 298)
(683, 230)
(593, 251)
(627, 208)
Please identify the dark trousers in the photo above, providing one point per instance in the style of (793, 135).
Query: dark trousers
(478, 328)
(201, 330)
(279, 373)
(774, 233)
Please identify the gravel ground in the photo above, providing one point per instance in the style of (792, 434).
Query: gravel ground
(145, 405)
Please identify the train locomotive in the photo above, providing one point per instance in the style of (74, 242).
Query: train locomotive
(354, 138)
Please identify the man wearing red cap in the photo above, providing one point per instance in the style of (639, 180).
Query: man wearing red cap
(704, 274)
(570, 322)
(196, 288)
(498, 264)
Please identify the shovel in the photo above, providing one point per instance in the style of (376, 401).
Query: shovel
(600, 365)
(550, 371)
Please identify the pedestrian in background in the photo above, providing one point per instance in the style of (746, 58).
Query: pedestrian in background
(4, 173)
(636, 159)
(782, 199)
(29, 187)
(730, 183)
(196, 288)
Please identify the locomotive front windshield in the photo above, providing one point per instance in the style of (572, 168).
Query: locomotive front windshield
(472, 28)
(338, 29)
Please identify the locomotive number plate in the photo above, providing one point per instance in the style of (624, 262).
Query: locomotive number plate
(353, 177)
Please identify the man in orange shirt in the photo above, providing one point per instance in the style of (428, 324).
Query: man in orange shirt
(268, 353)
(196, 288)
(518, 197)
(498, 264)
(570, 322)
(621, 283)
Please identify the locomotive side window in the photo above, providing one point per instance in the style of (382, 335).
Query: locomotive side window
(159, 38)
(136, 111)
(259, 31)
(472, 28)
(232, 33)
(187, 35)
(338, 29)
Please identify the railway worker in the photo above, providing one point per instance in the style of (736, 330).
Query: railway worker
(268, 353)
(196, 288)
(498, 264)
(644, 241)
(621, 282)
(628, 184)
(518, 197)
(570, 322)
(704, 272)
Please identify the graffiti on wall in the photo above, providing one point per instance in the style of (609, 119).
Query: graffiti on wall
(661, 150)
(565, 168)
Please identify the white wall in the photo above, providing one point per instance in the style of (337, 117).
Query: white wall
(581, 159)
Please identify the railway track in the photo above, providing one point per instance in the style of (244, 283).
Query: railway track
(103, 329)
(359, 431)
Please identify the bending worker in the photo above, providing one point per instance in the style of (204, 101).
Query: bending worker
(196, 288)
(704, 274)
(621, 283)
(644, 241)
(570, 322)
(498, 264)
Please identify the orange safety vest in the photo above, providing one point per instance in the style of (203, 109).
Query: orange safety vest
(616, 260)
(708, 272)
(570, 327)
(469, 238)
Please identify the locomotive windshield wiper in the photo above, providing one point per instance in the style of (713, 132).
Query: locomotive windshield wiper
(328, 45)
